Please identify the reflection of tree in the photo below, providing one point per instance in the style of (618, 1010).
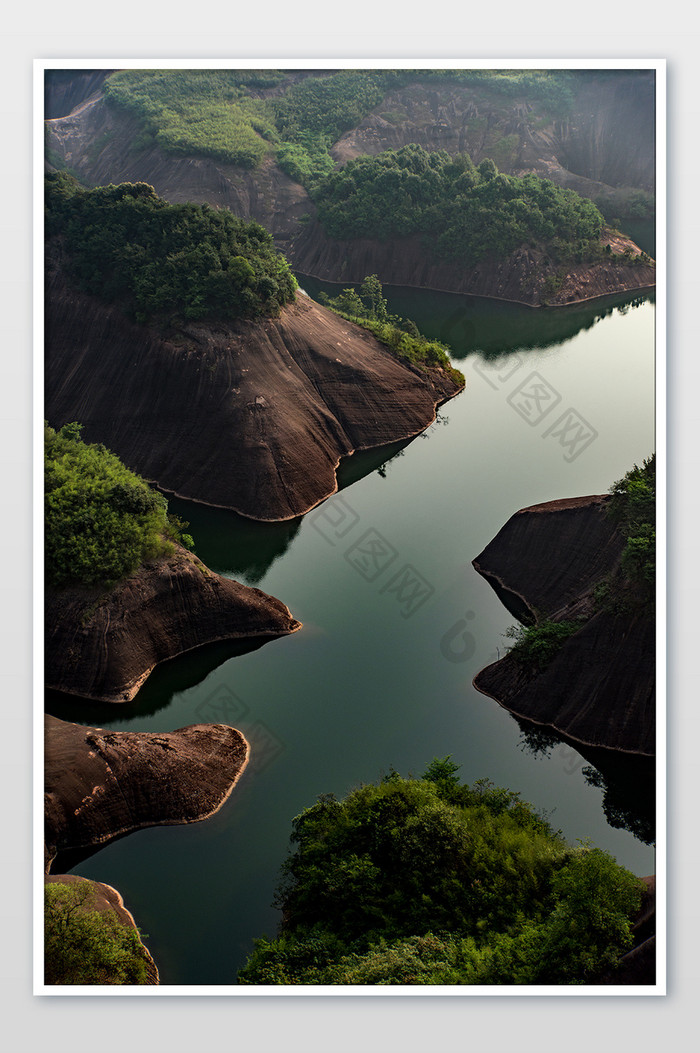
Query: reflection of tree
(382, 469)
(628, 783)
(467, 329)
(358, 465)
(492, 328)
(628, 804)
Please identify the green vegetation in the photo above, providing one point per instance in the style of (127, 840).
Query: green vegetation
(164, 262)
(83, 946)
(633, 507)
(101, 520)
(231, 116)
(368, 308)
(464, 213)
(200, 112)
(430, 881)
(536, 645)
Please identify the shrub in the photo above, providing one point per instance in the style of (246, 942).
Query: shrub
(429, 881)
(165, 262)
(83, 946)
(101, 520)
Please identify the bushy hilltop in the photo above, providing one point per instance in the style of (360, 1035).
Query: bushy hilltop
(101, 520)
(591, 130)
(465, 212)
(430, 881)
(125, 244)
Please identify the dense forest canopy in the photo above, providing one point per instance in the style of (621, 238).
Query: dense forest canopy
(430, 881)
(101, 520)
(164, 262)
(227, 114)
(465, 212)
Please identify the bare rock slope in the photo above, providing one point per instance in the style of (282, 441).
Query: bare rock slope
(253, 416)
(527, 276)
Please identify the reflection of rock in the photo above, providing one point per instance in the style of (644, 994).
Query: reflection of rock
(233, 544)
(181, 409)
(599, 689)
(105, 898)
(101, 784)
(103, 644)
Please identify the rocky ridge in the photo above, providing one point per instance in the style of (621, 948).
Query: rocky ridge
(101, 784)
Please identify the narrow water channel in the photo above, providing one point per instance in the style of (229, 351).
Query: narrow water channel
(396, 623)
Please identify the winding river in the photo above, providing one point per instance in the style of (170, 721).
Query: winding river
(396, 621)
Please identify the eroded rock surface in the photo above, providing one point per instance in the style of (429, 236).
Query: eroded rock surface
(254, 416)
(100, 784)
(103, 643)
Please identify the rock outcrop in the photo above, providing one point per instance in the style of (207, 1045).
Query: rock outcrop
(102, 644)
(96, 142)
(599, 689)
(527, 276)
(101, 784)
(252, 416)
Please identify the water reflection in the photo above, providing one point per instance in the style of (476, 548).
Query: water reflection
(240, 547)
(628, 782)
(168, 678)
(469, 324)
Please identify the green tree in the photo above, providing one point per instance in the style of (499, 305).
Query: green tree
(101, 520)
(87, 946)
(433, 881)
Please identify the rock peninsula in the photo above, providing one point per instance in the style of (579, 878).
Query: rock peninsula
(599, 689)
(102, 644)
(101, 784)
(250, 416)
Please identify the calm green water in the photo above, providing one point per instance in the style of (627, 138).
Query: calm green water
(396, 623)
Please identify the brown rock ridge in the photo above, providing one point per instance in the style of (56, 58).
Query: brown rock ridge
(101, 784)
(600, 688)
(103, 644)
(521, 278)
(105, 898)
(252, 416)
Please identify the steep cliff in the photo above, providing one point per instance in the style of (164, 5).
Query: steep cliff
(250, 416)
(606, 141)
(103, 644)
(101, 145)
(101, 784)
(599, 689)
